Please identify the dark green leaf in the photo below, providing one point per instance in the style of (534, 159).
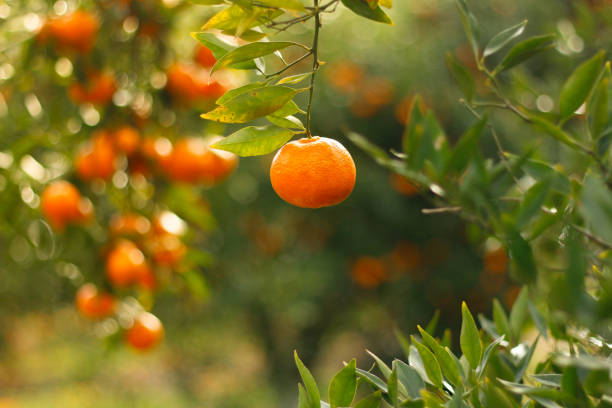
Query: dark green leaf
(466, 148)
(255, 141)
(503, 38)
(502, 324)
(371, 401)
(462, 75)
(523, 264)
(433, 323)
(361, 8)
(252, 105)
(579, 85)
(518, 314)
(598, 109)
(470, 338)
(251, 51)
(525, 50)
(532, 202)
(470, 26)
(596, 207)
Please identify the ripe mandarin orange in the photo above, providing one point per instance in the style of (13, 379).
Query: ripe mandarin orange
(96, 159)
(204, 56)
(313, 172)
(193, 161)
(75, 32)
(146, 332)
(62, 203)
(125, 264)
(94, 304)
(129, 224)
(127, 139)
(98, 90)
(368, 272)
(167, 249)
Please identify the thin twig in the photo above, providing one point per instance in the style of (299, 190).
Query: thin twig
(315, 64)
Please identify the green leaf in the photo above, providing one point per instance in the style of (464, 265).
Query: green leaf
(361, 8)
(232, 93)
(532, 202)
(343, 386)
(462, 75)
(290, 122)
(252, 105)
(555, 131)
(596, 207)
(313, 394)
(470, 26)
(284, 4)
(290, 108)
(580, 84)
(409, 378)
(207, 2)
(521, 254)
(496, 397)
(525, 50)
(371, 401)
(537, 318)
(469, 338)
(518, 376)
(518, 314)
(447, 364)
(393, 386)
(433, 323)
(219, 48)
(432, 368)
(251, 51)
(502, 324)
(373, 380)
(303, 398)
(255, 141)
(384, 369)
(466, 148)
(598, 108)
(503, 38)
(481, 369)
(294, 79)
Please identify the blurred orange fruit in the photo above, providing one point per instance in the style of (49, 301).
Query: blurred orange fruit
(345, 76)
(125, 264)
(368, 272)
(146, 332)
(127, 139)
(62, 203)
(313, 172)
(74, 32)
(167, 249)
(129, 224)
(204, 56)
(374, 94)
(188, 84)
(402, 185)
(496, 261)
(510, 296)
(98, 90)
(96, 159)
(94, 304)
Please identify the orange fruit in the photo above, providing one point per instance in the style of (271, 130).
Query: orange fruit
(189, 84)
(62, 203)
(146, 332)
(368, 272)
(496, 261)
(204, 56)
(147, 280)
(96, 159)
(402, 185)
(94, 304)
(129, 224)
(313, 172)
(193, 161)
(73, 32)
(167, 249)
(98, 90)
(127, 139)
(125, 264)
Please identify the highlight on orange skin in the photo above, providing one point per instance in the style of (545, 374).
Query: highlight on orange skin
(125, 264)
(146, 332)
(127, 139)
(98, 90)
(167, 250)
(313, 172)
(61, 204)
(92, 303)
(96, 158)
(368, 272)
(129, 224)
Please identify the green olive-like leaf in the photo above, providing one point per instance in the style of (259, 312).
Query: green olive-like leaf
(525, 50)
(361, 8)
(255, 141)
(343, 386)
(580, 84)
(251, 51)
(470, 338)
(462, 75)
(503, 38)
(312, 391)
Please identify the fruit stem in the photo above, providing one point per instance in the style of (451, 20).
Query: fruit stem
(315, 64)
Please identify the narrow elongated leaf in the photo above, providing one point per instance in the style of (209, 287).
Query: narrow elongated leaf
(524, 50)
(470, 26)
(469, 338)
(251, 51)
(304, 400)
(255, 141)
(579, 85)
(503, 38)
(362, 9)
(290, 122)
(502, 324)
(309, 383)
(232, 93)
(219, 48)
(532, 203)
(598, 109)
(371, 401)
(447, 364)
(252, 105)
(294, 79)
(433, 323)
(518, 314)
(522, 264)
(285, 4)
(393, 386)
(462, 75)
(343, 386)
(373, 380)
(596, 207)
(538, 319)
(526, 360)
(466, 148)
(432, 368)
(384, 368)
(480, 371)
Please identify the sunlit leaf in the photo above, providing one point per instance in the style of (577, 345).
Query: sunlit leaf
(503, 38)
(255, 141)
(524, 50)
(251, 51)
(343, 386)
(313, 394)
(580, 84)
(361, 8)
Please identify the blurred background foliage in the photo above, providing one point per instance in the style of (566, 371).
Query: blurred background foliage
(262, 277)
